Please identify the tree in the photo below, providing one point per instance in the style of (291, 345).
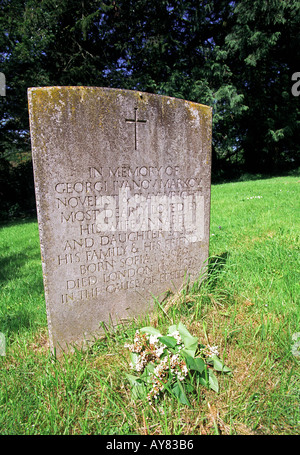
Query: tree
(237, 57)
(166, 47)
(49, 43)
(262, 51)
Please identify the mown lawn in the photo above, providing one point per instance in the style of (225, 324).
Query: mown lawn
(249, 306)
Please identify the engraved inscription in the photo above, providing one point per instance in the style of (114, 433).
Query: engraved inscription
(116, 239)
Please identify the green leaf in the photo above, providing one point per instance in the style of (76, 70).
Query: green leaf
(132, 379)
(213, 382)
(189, 351)
(148, 373)
(138, 388)
(179, 392)
(170, 342)
(150, 331)
(190, 342)
(150, 368)
(195, 364)
(134, 358)
(203, 381)
(172, 328)
(218, 365)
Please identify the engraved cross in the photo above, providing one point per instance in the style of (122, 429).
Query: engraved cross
(135, 121)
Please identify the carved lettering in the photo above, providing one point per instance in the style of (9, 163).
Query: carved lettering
(120, 234)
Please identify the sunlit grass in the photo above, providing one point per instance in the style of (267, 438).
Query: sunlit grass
(249, 307)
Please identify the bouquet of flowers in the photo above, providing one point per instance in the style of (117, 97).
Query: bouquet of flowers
(174, 363)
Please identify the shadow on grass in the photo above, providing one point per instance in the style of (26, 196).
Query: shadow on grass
(11, 266)
(221, 179)
(15, 221)
(21, 302)
(16, 321)
(12, 262)
(216, 265)
(212, 274)
(21, 281)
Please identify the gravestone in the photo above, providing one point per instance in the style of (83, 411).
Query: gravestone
(122, 182)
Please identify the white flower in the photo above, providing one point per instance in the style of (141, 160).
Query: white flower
(213, 350)
(184, 370)
(174, 360)
(153, 339)
(159, 351)
(177, 336)
(139, 367)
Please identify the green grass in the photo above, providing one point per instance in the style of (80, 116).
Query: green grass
(249, 307)
(22, 307)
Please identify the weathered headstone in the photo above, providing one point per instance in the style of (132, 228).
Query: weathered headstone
(122, 184)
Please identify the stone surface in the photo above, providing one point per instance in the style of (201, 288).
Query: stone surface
(122, 184)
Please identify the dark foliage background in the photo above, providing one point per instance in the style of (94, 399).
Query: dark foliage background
(236, 56)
